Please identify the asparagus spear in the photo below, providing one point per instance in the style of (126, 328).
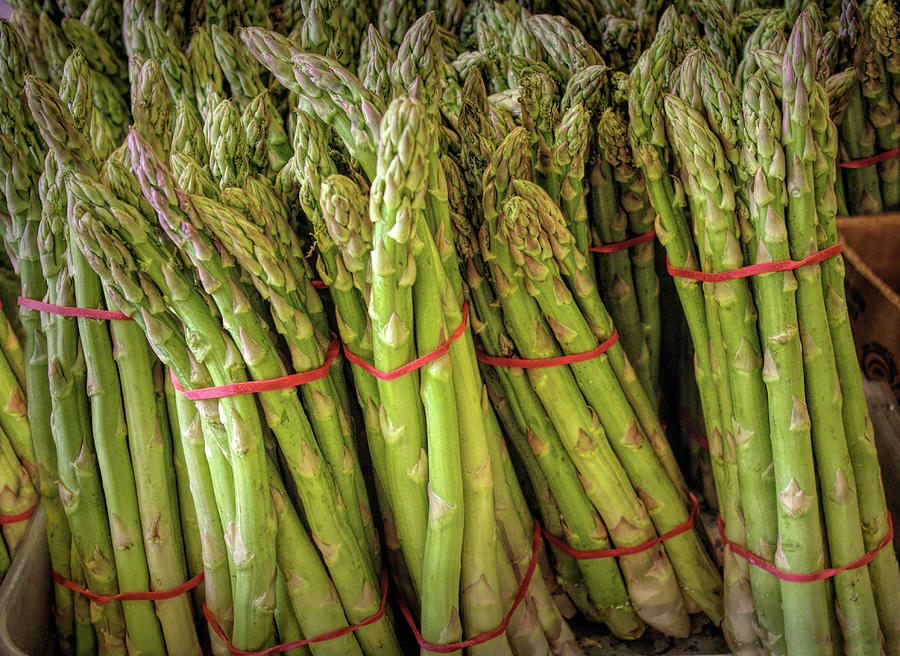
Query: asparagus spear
(260, 257)
(447, 508)
(206, 72)
(151, 105)
(324, 89)
(72, 152)
(375, 63)
(227, 145)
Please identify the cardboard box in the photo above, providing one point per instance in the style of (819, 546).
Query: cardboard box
(871, 248)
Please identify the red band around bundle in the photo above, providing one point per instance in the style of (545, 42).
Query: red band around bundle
(255, 386)
(689, 425)
(160, 595)
(625, 551)
(278, 649)
(319, 284)
(869, 161)
(524, 363)
(754, 269)
(487, 635)
(418, 362)
(62, 310)
(18, 517)
(623, 245)
(753, 559)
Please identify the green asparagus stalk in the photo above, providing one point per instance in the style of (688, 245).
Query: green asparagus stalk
(25, 19)
(376, 60)
(696, 571)
(716, 225)
(99, 52)
(286, 622)
(17, 494)
(205, 69)
(79, 480)
(227, 145)
(260, 257)
(85, 637)
(447, 510)
(151, 106)
(324, 89)
(190, 526)
(566, 48)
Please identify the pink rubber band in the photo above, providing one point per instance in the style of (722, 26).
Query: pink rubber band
(18, 517)
(419, 362)
(256, 386)
(487, 635)
(541, 363)
(869, 161)
(626, 551)
(62, 310)
(160, 595)
(278, 649)
(623, 245)
(753, 559)
(754, 269)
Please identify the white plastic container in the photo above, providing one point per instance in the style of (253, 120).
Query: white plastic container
(26, 620)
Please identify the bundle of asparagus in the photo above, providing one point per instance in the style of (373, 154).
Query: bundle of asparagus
(790, 441)
(869, 130)
(474, 183)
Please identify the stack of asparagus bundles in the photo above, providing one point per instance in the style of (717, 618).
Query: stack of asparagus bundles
(747, 178)
(869, 130)
(18, 470)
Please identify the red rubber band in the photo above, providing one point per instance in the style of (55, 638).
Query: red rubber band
(541, 363)
(255, 386)
(319, 284)
(625, 551)
(753, 559)
(754, 269)
(19, 517)
(869, 161)
(419, 362)
(689, 425)
(624, 245)
(331, 635)
(487, 635)
(62, 310)
(160, 595)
